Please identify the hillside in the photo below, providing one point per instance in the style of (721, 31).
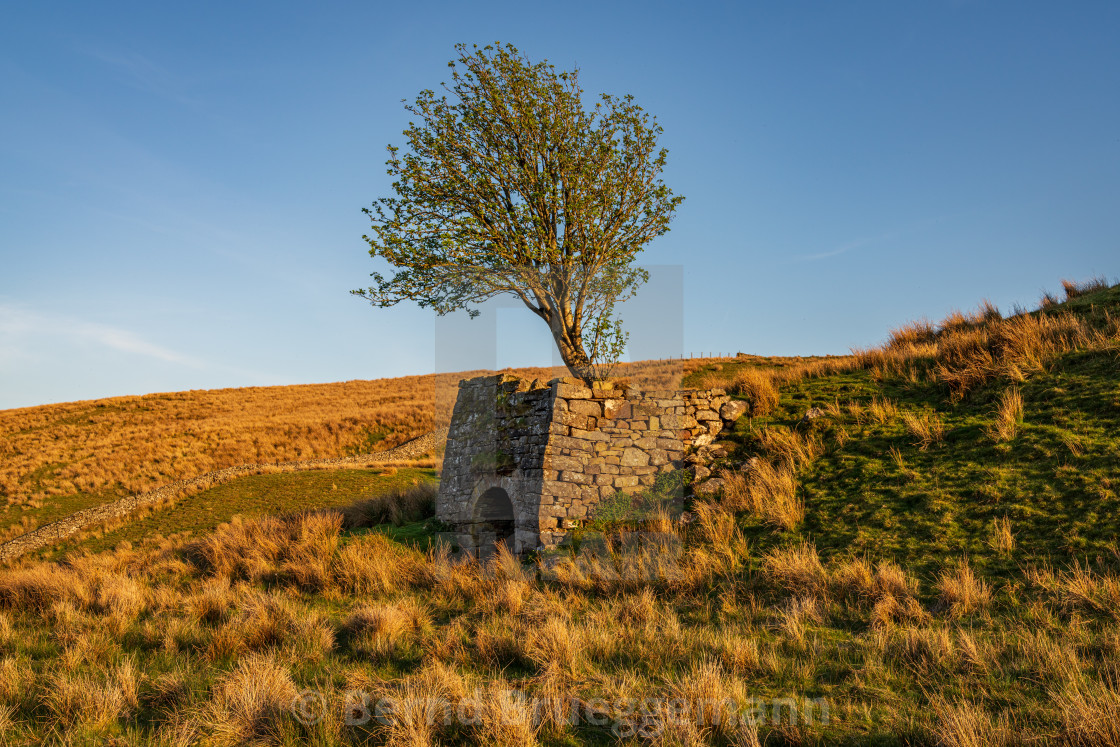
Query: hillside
(958, 439)
(58, 459)
(912, 545)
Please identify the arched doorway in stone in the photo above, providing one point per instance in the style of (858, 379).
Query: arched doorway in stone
(494, 520)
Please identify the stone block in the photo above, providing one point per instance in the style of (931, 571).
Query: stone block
(578, 478)
(560, 489)
(556, 429)
(616, 408)
(634, 458)
(571, 419)
(678, 421)
(552, 539)
(526, 539)
(571, 391)
(733, 410)
(564, 463)
(625, 481)
(567, 442)
(585, 407)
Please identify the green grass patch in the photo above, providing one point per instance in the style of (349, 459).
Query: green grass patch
(254, 495)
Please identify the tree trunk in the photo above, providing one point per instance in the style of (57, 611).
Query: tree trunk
(575, 358)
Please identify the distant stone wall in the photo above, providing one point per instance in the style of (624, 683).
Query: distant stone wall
(555, 450)
(56, 531)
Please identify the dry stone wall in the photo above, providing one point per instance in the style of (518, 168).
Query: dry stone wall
(55, 532)
(547, 454)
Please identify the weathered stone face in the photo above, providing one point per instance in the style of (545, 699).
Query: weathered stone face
(556, 451)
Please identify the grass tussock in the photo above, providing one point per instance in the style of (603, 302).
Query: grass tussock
(965, 724)
(961, 591)
(926, 427)
(967, 350)
(1008, 416)
(252, 703)
(396, 507)
(1002, 538)
(1074, 289)
(1090, 713)
(1009, 349)
(767, 491)
(758, 387)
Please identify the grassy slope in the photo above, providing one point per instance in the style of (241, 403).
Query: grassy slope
(250, 497)
(1057, 481)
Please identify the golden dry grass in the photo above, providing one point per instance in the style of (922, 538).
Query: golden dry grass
(758, 387)
(925, 426)
(1008, 416)
(966, 350)
(768, 491)
(215, 640)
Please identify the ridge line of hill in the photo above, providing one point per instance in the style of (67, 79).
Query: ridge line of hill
(75, 522)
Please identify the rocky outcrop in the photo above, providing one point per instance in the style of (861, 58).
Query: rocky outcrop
(54, 532)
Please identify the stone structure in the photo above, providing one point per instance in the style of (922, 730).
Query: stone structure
(527, 461)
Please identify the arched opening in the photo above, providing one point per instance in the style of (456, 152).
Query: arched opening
(494, 518)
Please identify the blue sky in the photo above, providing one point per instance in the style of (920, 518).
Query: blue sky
(182, 183)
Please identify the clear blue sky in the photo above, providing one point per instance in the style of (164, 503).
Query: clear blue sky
(182, 183)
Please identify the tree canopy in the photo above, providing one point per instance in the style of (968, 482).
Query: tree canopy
(509, 184)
